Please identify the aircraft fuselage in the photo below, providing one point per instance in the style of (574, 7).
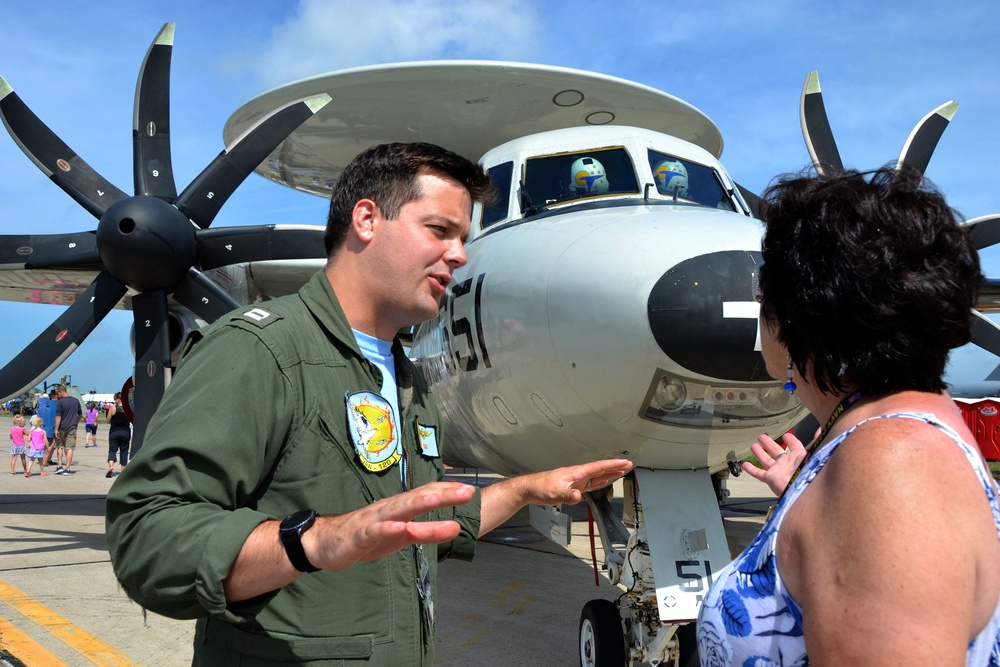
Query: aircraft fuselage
(616, 325)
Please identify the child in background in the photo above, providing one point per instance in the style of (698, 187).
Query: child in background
(37, 449)
(17, 432)
(91, 425)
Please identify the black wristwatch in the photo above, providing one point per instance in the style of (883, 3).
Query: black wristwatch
(292, 527)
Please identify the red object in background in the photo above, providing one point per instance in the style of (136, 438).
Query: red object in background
(127, 398)
(983, 419)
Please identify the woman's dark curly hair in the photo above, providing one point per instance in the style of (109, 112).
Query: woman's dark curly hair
(868, 279)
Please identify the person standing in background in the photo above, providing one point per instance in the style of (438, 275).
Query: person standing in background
(119, 435)
(91, 425)
(68, 413)
(48, 415)
(17, 441)
(36, 449)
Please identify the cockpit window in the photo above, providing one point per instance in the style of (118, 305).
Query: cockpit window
(688, 181)
(554, 179)
(496, 210)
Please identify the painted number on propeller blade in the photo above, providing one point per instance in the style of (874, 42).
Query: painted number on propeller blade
(458, 314)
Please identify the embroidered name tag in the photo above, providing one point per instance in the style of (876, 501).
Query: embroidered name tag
(427, 437)
(373, 431)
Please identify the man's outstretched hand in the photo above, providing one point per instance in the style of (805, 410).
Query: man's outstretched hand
(384, 527)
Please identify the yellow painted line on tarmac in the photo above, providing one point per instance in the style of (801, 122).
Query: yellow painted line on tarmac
(80, 641)
(24, 648)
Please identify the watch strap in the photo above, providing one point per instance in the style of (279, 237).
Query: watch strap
(290, 532)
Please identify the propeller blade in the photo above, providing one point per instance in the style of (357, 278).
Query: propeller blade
(56, 160)
(985, 333)
(152, 359)
(48, 251)
(202, 200)
(752, 200)
(816, 127)
(204, 297)
(232, 245)
(152, 167)
(923, 139)
(984, 230)
(44, 354)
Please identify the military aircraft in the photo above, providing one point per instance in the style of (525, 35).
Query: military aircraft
(147, 246)
(607, 308)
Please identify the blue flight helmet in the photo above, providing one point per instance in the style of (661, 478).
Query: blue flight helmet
(587, 177)
(671, 178)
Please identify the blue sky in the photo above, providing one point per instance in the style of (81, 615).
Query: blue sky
(882, 66)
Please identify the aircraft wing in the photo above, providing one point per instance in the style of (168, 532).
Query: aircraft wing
(246, 282)
(59, 287)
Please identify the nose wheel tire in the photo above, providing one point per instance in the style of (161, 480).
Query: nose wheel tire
(602, 640)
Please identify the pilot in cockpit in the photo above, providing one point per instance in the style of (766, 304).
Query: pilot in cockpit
(587, 177)
(671, 178)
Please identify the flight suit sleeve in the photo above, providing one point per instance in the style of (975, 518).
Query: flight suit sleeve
(180, 512)
(463, 547)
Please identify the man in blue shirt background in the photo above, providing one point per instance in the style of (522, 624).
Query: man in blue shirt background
(47, 411)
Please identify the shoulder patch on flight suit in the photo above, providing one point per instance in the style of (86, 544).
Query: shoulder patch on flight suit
(256, 315)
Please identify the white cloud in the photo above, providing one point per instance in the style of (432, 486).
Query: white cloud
(327, 35)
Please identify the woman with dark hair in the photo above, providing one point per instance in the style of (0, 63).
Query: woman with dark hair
(119, 435)
(883, 548)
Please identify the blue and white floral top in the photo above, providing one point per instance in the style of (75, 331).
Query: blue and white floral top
(749, 619)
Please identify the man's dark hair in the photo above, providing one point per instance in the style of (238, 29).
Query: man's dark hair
(868, 280)
(387, 174)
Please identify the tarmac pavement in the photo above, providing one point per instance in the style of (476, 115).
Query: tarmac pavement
(518, 601)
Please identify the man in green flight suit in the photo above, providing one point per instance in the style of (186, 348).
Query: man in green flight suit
(288, 494)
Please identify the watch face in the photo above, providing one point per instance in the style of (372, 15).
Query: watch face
(298, 521)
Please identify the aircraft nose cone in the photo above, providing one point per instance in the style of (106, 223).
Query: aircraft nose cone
(703, 315)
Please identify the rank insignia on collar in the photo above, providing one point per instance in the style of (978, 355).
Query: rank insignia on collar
(373, 431)
(427, 437)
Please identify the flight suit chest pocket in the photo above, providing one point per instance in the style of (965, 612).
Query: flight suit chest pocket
(342, 466)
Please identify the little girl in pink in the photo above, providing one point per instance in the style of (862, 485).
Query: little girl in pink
(17, 444)
(37, 450)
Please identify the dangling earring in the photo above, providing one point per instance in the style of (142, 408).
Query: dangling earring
(790, 386)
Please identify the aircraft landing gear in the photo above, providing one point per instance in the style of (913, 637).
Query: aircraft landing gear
(630, 631)
(602, 641)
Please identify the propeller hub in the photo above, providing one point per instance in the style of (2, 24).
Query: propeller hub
(146, 243)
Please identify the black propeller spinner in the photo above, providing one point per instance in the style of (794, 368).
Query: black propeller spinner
(916, 154)
(156, 243)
